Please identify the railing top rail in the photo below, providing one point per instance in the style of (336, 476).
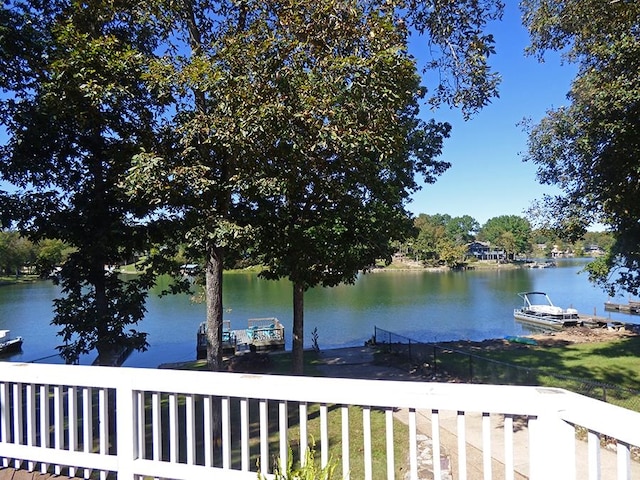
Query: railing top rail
(611, 420)
(376, 393)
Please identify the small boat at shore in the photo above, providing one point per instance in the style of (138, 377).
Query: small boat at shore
(8, 344)
(538, 310)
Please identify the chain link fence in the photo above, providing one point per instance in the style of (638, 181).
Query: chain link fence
(438, 361)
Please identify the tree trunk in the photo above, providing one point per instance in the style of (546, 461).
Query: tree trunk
(298, 329)
(103, 342)
(213, 287)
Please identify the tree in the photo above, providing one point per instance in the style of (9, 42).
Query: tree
(590, 148)
(511, 232)
(348, 146)
(51, 253)
(431, 233)
(204, 175)
(236, 120)
(444, 239)
(15, 252)
(76, 111)
(461, 230)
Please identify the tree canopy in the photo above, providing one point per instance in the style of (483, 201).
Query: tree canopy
(511, 232)
(75, 111)
(590, 148)
(442, 239)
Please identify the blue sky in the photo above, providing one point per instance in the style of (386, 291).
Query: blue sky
(487, 177)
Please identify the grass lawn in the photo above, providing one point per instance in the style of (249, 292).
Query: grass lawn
(606, 370)
(614, 362)
(12, 279)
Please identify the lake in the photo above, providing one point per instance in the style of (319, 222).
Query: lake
(423, 305)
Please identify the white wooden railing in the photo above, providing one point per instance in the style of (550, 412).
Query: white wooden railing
(132, 423)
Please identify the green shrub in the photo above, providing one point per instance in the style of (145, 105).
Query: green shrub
(309, 471)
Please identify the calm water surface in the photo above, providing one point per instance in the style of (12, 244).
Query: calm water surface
(425, 306)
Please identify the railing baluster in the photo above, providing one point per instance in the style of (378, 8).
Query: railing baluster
(207, 420)
(283, 426)
(126, 400)
(45, 422)
(264, 437)
(304, 434)
(156, 426)
(623, 461)
(462, 446)
(486, 445)
(413, 445)
(244, 434)
(4, 417)
(226, 432)
(58, 422)
(190, 420)
(435, 438)
(593, 449)
(72, 409)
(346, 441)
(31, 419)
(324, 435)
(87, 424)
(173, 428)
(366, 430)
(103, 405)
(508, 447)
(388, 413)
(18, 436)
(141, 424)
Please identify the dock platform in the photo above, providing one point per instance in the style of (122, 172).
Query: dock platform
(629, 307)
(261, 334)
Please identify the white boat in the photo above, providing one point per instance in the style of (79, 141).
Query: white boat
(8, 344)
(538, 310)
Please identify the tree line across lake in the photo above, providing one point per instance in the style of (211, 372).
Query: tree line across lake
(436, 240)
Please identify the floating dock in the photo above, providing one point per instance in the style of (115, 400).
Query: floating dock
(261, 334)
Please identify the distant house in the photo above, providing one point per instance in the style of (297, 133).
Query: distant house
(556, 252)
(484, 251)
(593, 250)
(190, 269)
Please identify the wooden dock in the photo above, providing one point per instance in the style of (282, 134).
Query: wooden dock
(261, 334)
(629, 307)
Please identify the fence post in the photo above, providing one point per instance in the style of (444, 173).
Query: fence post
(435, 360)
(126, 435)
(551, 441)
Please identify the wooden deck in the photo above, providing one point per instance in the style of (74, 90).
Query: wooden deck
(9, 473)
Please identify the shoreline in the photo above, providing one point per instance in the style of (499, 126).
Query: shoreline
(565, 337)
